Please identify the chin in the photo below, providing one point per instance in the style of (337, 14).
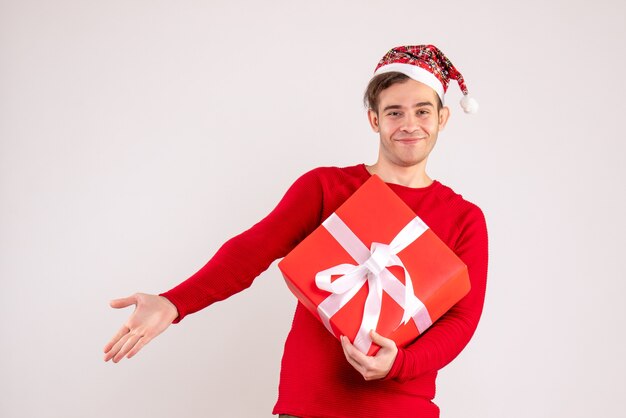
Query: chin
(411, 163)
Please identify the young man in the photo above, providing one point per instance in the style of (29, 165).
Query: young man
(319, 376)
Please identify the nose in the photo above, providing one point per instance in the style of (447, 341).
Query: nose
(411, 123)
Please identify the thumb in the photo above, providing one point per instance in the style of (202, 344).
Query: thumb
(123, 302)
(382, 341)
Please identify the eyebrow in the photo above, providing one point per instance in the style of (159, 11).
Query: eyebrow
(420, 104)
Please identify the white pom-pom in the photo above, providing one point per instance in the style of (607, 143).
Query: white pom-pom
(469, 104)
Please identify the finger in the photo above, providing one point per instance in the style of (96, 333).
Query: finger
(128, 345)
(138, 346)
(354, 352)
(344, 344)
(382, 341)
(116, 348)
(354, 356)
(123, 302)
(122, 331)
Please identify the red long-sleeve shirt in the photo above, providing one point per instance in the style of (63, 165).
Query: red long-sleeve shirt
(315, 379)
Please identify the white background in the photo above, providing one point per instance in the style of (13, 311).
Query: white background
(137, 136)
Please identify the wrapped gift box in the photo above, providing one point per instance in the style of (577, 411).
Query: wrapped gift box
(373, 264)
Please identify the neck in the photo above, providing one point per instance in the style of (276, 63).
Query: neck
(414, 176)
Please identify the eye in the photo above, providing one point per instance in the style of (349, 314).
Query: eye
(394, 114)
(423, 112)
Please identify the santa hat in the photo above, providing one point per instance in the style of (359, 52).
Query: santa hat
(426, 64)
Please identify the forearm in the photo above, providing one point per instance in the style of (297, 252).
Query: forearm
(232, 269)
(439, 345)
(242, 258)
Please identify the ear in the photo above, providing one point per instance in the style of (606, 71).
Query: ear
(372, 116)
(444, 114)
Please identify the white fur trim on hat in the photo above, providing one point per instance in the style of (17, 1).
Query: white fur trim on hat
(416, 73)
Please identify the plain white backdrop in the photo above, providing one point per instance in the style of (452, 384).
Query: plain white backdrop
(137, 136)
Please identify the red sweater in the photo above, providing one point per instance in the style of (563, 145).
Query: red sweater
(315, 379)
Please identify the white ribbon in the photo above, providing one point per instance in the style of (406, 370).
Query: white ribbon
(371, 268)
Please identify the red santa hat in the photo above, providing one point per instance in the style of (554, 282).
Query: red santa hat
(428, 65)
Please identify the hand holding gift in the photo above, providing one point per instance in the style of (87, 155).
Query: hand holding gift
(371, 367)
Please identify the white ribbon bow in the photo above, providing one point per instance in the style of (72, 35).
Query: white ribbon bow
(371, 268)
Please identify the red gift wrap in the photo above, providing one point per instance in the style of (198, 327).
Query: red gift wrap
(373, 264)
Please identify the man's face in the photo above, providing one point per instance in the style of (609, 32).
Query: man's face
(408, 123)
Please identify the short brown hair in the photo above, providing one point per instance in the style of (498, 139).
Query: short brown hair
(381, 82)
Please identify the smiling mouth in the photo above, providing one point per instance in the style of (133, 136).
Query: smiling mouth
(409, 140)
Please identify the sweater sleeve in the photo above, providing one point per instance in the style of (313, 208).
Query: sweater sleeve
(447, 337)
(242, 258)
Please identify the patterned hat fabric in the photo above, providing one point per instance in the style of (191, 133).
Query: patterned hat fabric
(428, 65)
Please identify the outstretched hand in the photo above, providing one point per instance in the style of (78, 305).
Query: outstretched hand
(152, 315)
(371, 367)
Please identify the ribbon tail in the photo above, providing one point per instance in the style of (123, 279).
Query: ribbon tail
(403, 294)
(414, 307)
(371, 314)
